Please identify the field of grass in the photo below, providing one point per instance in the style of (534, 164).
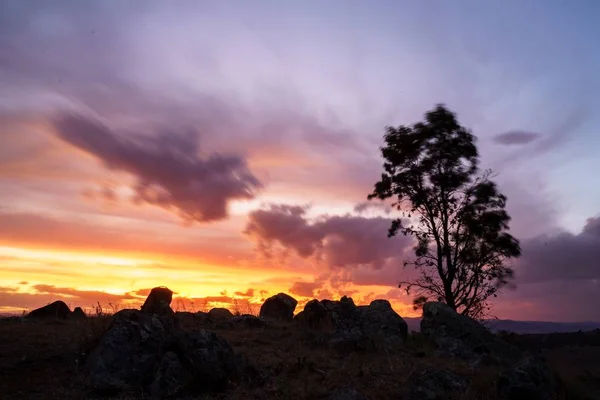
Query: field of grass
(44, 360)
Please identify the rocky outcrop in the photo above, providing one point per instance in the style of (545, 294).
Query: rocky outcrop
(355, 327)
(58, 309)
(149, 351)
(247, 321)
(460, 336)
(529, 379)
(159, 301)
(280, 306)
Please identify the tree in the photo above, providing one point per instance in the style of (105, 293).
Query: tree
(455, 213)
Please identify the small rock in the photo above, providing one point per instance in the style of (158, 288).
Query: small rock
(219, 315)
(159, 301)
(78, 313)
(280, 306)
(529, 379)
(58, 309)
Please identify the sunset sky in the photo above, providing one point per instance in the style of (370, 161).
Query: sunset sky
(225, 149)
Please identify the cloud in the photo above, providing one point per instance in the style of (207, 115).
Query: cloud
(515, 138)
(340, 241)
(247, 293)
(562, 256)
(168, 169)
(305, 289)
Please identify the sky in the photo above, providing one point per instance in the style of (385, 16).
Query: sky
(226, 149)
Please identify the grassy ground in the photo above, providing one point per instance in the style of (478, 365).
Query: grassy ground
(43, 359)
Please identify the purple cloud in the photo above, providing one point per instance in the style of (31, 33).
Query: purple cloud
(516, 138)
(168, 169)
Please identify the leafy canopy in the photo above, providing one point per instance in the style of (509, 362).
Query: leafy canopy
(456, 214)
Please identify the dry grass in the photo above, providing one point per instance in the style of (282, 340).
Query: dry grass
(42, 360)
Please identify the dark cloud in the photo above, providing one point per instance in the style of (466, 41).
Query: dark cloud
(515, 138)
(340, 241)
(169, 171)
(372, 205)
(563, 256)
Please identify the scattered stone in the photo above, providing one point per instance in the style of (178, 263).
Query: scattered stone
(219, 315)
(247, 321)
(58, 309)
(159, 301)
(129, 352)
(460, 336)
(280, 306)
(78, 313)
(529, 379)
(436, 385)
(171, 377)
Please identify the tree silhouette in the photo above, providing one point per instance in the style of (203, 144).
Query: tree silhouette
(455, 213)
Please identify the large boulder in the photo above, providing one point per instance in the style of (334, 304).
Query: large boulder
(380, 320)
(219, 315)
(280, 306)
(171, 377)
(159, 301)
(58, 309)
(130, 351)
(529, 379)
(460, 336)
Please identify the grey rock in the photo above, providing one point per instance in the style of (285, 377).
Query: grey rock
(280, 306)
(436, 385)
(380, 320)
(159, 301)
(57, 309)
(529, 379)
(461, 336)
(171, 378)
(209, 359)
(129, 352)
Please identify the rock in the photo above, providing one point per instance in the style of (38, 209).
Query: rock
(247, 321)
(219, 315)
(209, 358)
(280, 306)
(529, 379)
(380, 320)
(436, 385)
(78, 313)
(159, 301)
(461, 336)
(355, 327)
(171, 377)
(58, 309)
(129, 352)
(347, 394)
(185, 319)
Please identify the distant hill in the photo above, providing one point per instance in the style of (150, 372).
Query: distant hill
(523, 326)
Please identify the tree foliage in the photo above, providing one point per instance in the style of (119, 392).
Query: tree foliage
(455, 213)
